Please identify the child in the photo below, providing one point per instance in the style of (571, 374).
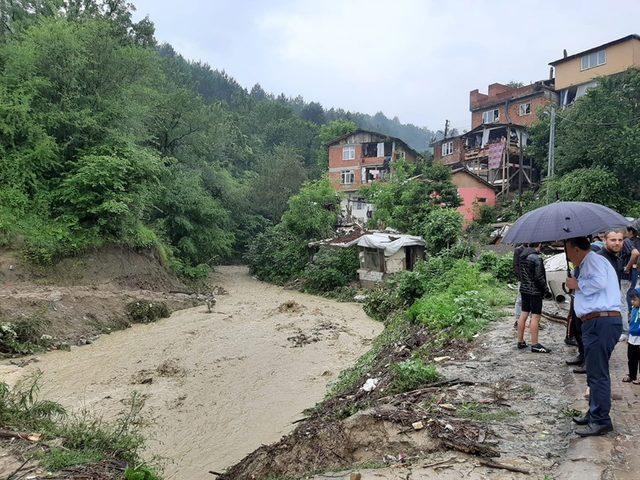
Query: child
(633, 342)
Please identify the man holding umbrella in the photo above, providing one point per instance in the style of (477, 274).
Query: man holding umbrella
(597, 303)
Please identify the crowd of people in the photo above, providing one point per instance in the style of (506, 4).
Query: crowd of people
(604, 310)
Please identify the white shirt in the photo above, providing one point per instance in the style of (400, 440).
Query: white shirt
(598, 286)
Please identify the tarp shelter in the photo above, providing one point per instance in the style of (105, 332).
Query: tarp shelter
(383, 253)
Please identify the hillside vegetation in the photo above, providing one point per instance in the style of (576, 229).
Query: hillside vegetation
(108, 138)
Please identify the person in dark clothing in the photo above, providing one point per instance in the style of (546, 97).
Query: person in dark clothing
(630, 255)
(576, 323)
(613, 246)
(533, 287)
(516, 271)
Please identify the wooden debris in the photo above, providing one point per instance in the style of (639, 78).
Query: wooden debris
(502, 466)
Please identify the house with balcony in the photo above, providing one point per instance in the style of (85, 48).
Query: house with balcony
(575, 74)
(494, 147)
(360, 158)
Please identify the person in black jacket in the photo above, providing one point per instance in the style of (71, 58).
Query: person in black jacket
(533, 287)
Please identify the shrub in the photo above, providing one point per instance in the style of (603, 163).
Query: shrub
(484, 214)
(23, 336)
(146, 312)
(277, 255)
(412, 374)
(487, 261)
(381, 303)
(331, 268)
(442, 229)
(500, 266)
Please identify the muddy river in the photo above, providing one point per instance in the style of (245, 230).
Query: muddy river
(216, 385)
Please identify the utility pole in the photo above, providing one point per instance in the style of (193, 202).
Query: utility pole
(552, 149)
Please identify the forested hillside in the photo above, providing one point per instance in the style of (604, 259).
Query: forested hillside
(108, 137)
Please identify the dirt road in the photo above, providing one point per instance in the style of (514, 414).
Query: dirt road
(216, 385)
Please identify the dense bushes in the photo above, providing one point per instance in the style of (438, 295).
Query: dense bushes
(277, 256)
(281, 253)
(411, 195)
(501, 266)
(442, 229)
(445, 294)
(330, 269)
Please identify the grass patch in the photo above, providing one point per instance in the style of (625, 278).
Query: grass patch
(482, 413)
(412, 374)
(84, 438)
(395, 331)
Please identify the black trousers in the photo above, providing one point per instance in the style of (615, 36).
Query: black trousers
(633, 357)
(576, 330)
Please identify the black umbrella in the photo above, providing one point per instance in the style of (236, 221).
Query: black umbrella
(563, 220)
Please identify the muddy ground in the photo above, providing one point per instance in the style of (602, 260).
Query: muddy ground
(501, 405)
(217, 385)
(79, 298)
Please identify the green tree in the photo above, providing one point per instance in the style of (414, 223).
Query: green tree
(601, 130)
(280, 174)
(405, 201)
(589, 185)
(313, 212)
(442, 229)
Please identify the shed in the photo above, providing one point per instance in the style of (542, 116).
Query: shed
(382, 254)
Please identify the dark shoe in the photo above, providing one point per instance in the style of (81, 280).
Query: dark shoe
(538, 348)
(522, 345)
(581, 420)
(515, 325)
(593, 430)
(580, 370)
(570, 341)
(576, 361)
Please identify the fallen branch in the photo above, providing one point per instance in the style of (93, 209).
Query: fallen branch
(30, 437)
(441, 462)
(492, 464)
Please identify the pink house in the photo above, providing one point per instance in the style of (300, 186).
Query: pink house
(473, 190)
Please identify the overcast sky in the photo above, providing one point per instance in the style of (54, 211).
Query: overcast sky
(415, 59)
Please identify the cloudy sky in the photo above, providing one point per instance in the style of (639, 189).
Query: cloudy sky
(415, 59)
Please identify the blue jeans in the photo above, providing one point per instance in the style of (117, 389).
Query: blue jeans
(599, 337)
(633, 279)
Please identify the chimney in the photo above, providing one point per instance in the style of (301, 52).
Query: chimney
(564, 53)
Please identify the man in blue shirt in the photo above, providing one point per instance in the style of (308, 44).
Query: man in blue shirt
(597, 303)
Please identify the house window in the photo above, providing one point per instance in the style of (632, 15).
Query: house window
(524, 109)
(491, 116)
(348, 177)
(481, 200)
(593, 59)
(349, 153)
(447, 148)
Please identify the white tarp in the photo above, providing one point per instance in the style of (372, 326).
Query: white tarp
(556, 263)
(389, 242)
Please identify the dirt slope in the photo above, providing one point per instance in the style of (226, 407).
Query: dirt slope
(218, 385)
(84, 296)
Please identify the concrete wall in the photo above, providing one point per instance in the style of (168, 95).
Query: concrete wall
(619, 58)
